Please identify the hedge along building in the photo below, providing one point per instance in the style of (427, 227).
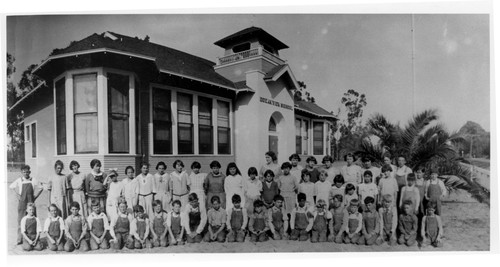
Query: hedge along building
(124, 100)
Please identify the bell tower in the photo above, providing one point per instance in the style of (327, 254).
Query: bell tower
(251, 49)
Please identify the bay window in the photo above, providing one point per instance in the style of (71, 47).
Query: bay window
(85, 113)
(118, 113)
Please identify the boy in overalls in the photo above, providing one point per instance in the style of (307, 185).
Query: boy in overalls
(410, 192)
(432, 227)
(237, 220)
(195, 221)
(337, 210)
(388, 220)
(175, 224)
(371, 224)
(31, 228)
(353, 223)
(300, 221)
(120, 227)
(257, 225)
(322, 221)
(54, 229)
(216, 221)
(278, 219)
(98, 226)
(27, 190)
(158, 225)
(407, 225)
(139, 228)
(76, 230)
(435, 190)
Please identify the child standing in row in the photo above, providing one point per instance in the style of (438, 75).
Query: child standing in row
(175, 224)
(350, 194)
(57, 188)
(420, 184)
(277, 219)
(195, 183)
(322, 187)
(31, 228)
(216, 219)
(130, 188)
(162, 181)
(179, 188)
(410, 192)
(269, 189)
(95, 188)
(338, 188)
(237, 219)
(214, 184)
(307, 188)
(252, 188)
(288, 187)
(76, 229)
(75, 185)
(351, 172)
(147, 188)
(368, 188)
(328, 167)
(296, 169)
(310, 167)
(233, 184)
(388, 219)
(115, 191)
(54, 229)
(387, 185)
(435, 190)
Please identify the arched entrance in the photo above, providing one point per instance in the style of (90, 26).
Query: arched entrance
(275, 132)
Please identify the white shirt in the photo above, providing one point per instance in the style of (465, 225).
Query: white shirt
(322, 190)
(18, 184)
(50, 219)
(38, 224)
(102, 216)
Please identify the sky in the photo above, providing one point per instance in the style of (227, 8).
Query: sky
(331, 53)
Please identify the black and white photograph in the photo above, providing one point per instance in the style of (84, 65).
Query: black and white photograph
(248, 132)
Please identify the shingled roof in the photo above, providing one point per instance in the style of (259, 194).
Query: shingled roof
(167, 59)
(312, 108)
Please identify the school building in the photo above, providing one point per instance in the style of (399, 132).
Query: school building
(124, 100)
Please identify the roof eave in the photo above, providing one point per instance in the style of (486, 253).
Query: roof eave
(27, 95)
(316, 114)
(277, 75)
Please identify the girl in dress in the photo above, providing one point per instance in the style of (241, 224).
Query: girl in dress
(233, 184)
(57, 189)
(115, 191)
(130, 188)
(162, 180)
(75, 185)
(179, 188)
(271, 164)
(214, 184)
(195, 182)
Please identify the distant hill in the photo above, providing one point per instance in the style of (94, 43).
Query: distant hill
(480, 140)
(471, 127)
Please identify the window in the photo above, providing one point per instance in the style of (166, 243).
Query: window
(318, 138)
(33, 140)
(28, 133)
(162, 122)
(185, 123)
(305, 136)
(298, 136)
(205, 125)
(85, 107)
(118, 113)
(241, 47)
(61, 117)
(272, 125)
(223, 129)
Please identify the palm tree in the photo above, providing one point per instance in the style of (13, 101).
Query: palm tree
(423, 142)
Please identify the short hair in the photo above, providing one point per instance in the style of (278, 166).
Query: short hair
(327, 158)
(73, 163)
(387, 198)
(195, 165)
(407, 202)
(138, 208)
(176, 202)
(286, 165)
(420, 168)
(366, 159)
(112, 173)
(215, 164)
(349, 155)
(144, 163)
(271, 154)
(369, 200)
(311, 158)
(122, 200)
(59, 163)
(354, 202)
(268, 172)
(301, 197)
(25, 167)
(339, 179)
(278, 198)
(411, 177)
(349, 187)
(402, 156)
(52, 206)
(431, 205)
(129, 167)
(252, 170)
(386, 168)
(157, 202)
(368, 173)
(95, 203)
(323, 171)
(193, 197)
(232, 165)
(161, 163)
(294, 156)
(304, 173)
(320, 203)
(434, 170)
(215, 199)
(236, 199)
(339, 197)
(75, 204)
(258, 203)
(95, 162)
(30, 205)
(178, 162)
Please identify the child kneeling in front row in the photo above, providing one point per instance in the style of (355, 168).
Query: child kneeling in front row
(322, 222)
(98, 227)
(277, 219)
(216, 218)
(158, 225)
(175, 224)
(120, 227)
(237, 220)
(353, 223)
(408, 223)
(139, 229)
(31, 228)
(432, 227)
(76, 230)
(300, 221)
(54, 229)
(371, 224)
(257, 225)
(388, 219)
(195, 221)
(337, 210)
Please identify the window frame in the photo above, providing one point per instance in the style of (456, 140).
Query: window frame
(56, 120)
(74, 114)
(323, 141)
(109, 113)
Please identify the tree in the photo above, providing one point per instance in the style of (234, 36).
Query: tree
(28, 81)
(14, 120)
(354, 103)
(302, 94)
(473, 132)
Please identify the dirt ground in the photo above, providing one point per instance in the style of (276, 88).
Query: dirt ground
(466, 228)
